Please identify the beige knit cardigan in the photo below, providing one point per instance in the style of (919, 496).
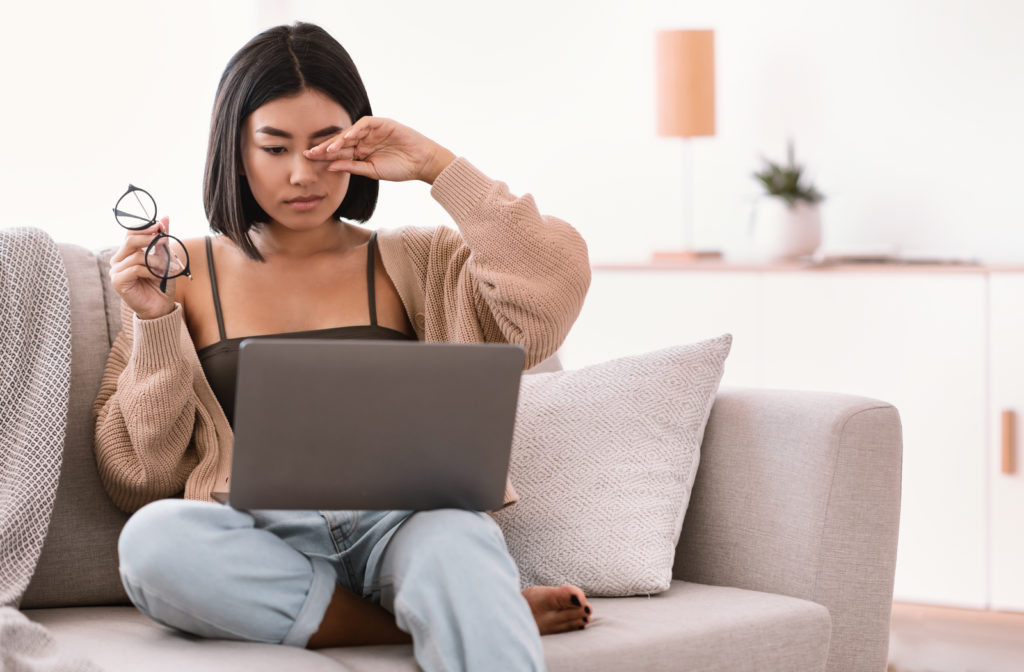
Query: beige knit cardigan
(512, 276)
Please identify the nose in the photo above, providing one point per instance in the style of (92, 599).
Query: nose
(303, 170)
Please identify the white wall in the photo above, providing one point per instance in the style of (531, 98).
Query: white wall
(905, 111)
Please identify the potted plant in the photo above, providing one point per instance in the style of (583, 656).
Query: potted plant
(786, 221)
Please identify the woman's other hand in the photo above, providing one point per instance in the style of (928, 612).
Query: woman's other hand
(383, 149)
(130, 277)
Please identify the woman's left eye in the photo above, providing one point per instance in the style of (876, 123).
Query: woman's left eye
(274, 150)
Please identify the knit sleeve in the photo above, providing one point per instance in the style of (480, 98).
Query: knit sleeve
(509, 274)
(145, 413)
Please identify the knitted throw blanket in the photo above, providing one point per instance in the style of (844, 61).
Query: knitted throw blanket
(35, 380)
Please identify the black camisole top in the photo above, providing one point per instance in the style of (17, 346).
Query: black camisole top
(220, 360)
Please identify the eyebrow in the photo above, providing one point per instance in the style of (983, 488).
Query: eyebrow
(270, 130)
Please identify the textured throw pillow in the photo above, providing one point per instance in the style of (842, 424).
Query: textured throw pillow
(604, 459)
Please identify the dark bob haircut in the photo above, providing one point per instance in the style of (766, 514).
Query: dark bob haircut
(279, 62)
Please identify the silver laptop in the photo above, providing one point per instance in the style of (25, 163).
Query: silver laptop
(352, 424)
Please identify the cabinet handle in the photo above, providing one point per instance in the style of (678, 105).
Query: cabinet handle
(1009, 440)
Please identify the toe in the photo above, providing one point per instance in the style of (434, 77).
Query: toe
(575, 597)
(570, 625)
(558, 608)
(578, 599)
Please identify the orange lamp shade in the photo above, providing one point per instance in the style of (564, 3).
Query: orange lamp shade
(686, 82)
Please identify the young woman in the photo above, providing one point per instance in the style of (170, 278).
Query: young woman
(295, 157)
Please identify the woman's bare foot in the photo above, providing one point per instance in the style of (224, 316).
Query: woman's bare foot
(353, 621)
(558, 608)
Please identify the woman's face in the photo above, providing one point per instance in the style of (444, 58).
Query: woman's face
(294, 191)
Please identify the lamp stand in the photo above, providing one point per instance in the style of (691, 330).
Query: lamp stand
(689, 252)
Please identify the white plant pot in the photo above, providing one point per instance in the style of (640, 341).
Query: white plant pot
(780, 232)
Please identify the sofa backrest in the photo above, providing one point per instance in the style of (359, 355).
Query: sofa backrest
(78, 563)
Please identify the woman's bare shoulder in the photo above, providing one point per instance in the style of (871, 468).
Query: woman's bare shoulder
(196, 248)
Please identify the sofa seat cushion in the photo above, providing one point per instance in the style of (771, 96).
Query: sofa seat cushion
(120, 638)
(698, 627)
(690, 626)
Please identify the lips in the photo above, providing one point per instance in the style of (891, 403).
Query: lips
(305, 203)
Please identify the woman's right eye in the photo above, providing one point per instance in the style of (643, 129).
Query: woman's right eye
(274, 150)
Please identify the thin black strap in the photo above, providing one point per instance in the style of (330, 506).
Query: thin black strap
(369, 280)
(213, 286)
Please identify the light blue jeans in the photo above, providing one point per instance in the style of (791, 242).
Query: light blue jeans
(268, 576)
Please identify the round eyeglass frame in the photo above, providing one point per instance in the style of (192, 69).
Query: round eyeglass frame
(118, 214)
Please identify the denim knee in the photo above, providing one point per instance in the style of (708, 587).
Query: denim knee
(161, 541)
(206, 569)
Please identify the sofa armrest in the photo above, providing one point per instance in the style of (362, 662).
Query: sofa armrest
(798, 493)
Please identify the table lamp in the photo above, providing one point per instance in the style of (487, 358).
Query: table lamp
(686, 109)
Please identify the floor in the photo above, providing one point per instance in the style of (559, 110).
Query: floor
(941, 639)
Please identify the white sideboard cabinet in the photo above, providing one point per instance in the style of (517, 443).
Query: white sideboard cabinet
(944, 344)
(1006, 421)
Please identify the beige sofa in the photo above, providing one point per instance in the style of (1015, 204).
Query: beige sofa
(785, 562)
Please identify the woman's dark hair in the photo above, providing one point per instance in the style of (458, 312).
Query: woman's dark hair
(279, 62)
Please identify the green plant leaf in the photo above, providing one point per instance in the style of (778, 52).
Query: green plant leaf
(785, 182)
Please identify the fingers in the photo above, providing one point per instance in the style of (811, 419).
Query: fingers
(342, 154)
(380, 149)
(347, 156)
(330, 146)
(126, 277)
(128, 264)
(136, 258)
(359, 131)
(355, 168)
(322, 153)
(132, 242)
(135, 240)
(368, 131)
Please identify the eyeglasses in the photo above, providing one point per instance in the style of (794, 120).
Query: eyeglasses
(166, 256)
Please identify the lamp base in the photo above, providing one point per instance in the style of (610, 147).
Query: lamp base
(676, 256)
